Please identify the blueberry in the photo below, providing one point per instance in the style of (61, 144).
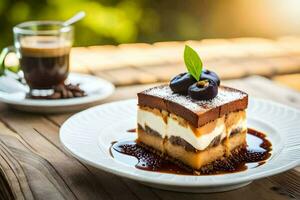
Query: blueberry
(181, 82)
(203, 90)
(207, 74)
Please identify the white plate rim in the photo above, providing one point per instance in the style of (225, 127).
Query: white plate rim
(198, 183)
(108, 89)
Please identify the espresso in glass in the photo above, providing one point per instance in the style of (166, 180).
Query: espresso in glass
(43, 49)
(44, 61)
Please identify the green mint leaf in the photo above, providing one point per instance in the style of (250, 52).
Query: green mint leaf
(192, 62)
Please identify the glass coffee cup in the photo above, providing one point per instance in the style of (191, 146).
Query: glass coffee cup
(43, 49)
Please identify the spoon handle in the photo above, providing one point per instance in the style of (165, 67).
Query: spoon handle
(74, 19)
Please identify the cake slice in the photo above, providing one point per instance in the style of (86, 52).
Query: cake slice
(193, 132)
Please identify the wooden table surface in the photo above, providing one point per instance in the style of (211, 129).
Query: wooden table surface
(34, 164)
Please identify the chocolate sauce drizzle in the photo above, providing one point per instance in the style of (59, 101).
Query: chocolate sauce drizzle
(257, 152)
(131, 130)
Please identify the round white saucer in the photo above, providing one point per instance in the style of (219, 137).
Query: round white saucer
(96, 88)
(88, 136)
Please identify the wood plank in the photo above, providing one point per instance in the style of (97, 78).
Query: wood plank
(226, 69)
(20, 158)
(289, 184)
(5, 189)
(258, 47)
(58, 119)
(214, 49)
(291, 80)
(104, 57)
(139, 55)
(290, 44)
(112, 185)
(284, 65)
(261, 189)
(75, 176)
(142, 191)
(264, 88)
(257, 66)
(77, 57)
(164, 72)
(168, 52)
(128, 76)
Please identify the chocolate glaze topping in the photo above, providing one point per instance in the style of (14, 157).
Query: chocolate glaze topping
(196, 112)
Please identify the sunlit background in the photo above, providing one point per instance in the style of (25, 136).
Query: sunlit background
(127, 21)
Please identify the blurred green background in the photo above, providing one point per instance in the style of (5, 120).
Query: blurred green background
(126, 21)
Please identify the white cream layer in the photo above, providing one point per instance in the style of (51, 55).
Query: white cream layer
(153, 121)
(186, 133)
(242, 123)
(173, 128)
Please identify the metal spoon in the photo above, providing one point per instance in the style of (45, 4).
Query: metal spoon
(74, 19)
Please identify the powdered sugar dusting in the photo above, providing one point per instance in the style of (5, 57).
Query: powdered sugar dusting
(225, 95)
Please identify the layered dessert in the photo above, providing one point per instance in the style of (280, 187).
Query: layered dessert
(193, 121)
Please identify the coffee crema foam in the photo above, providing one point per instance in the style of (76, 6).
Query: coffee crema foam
(44, 46)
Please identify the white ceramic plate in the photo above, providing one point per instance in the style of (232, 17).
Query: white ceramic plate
(88, 136)
(96, 88)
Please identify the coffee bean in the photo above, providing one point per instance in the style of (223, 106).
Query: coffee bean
(62, 92)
